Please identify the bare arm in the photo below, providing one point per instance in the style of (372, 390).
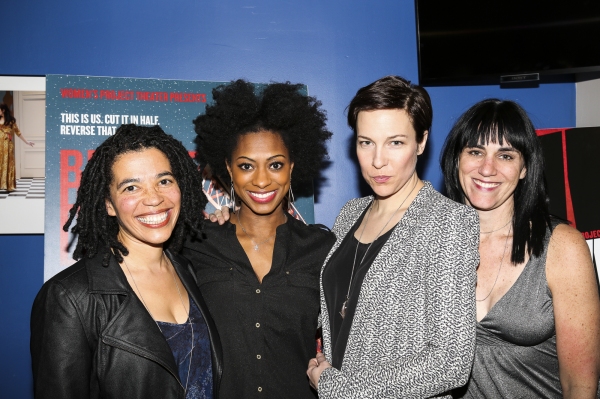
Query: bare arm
(18, 133)
(572, 281)
(29, 143)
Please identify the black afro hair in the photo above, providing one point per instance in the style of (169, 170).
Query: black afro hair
(239, 108)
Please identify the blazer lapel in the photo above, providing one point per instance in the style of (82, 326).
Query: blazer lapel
(342, 229)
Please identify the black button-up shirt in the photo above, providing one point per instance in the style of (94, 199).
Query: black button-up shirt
(267, 329)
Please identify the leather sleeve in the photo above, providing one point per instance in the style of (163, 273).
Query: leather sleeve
(60, 353)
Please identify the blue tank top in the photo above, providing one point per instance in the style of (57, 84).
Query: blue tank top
(197, 375)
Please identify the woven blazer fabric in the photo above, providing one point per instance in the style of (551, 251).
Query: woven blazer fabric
(413, 333)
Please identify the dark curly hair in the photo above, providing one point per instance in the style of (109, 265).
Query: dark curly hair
(239, 109)
(95, 229)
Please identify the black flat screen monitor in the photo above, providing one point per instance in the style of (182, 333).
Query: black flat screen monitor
(478, 42)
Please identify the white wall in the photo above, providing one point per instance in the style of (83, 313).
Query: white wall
(587, 102)
(587, 111)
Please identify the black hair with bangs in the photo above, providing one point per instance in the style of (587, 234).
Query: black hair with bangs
(501, 121)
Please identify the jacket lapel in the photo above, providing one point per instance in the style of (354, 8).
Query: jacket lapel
(131, 328)
(183, 268)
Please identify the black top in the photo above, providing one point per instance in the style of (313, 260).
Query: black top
(267, 330)
(336, 278)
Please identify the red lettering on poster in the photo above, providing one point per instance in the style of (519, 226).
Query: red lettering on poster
(590, 235)
(78, 93)
(71, 166)
(187, 97)
(71, 163)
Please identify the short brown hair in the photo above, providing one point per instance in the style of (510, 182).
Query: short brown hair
(394, 92)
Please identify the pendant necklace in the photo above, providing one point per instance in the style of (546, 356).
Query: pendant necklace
(255, 245)
(345, 304)
(499, 267)
(157, 325)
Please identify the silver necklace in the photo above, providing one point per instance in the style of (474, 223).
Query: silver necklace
(256, 246)
(345, 304)
(500, 228)
(499, 267)
(153, 318)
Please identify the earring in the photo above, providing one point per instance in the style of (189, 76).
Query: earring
(232, 196)
(290, 198)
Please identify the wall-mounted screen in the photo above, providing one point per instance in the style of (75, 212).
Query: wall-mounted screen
(477, 42)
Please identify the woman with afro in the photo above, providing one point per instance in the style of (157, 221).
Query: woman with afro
(127, 320)
(259, 272)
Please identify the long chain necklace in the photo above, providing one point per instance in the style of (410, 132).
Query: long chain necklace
(500, 228)
(256, 246)
(345, 304)
(499, 267)
(153, 318)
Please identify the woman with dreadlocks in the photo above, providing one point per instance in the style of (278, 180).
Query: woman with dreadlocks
(259, 272)
(127, 320)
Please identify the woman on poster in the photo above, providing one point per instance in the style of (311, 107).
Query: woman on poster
(8, 131)
(128, 320)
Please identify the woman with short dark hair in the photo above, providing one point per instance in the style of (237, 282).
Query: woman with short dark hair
(538, 311)
(397, 289)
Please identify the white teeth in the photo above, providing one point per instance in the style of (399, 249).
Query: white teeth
(487, 185)
(262, 195)
(153, 219)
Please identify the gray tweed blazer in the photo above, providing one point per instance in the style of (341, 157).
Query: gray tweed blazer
(413, 333)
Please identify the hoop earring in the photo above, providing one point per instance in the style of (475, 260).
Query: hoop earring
(290, 198)
(232, 196)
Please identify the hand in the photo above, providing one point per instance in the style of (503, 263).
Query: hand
(31, 144)
(220, 216)
(315, 368)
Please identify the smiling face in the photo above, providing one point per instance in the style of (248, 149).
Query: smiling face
(144, 197)
(387, 149)
(261, 170)
(489, 175)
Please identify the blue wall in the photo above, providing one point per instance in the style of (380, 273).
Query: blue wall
(21, 276)
(334, 47)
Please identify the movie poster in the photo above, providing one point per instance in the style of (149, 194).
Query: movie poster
(82, 111)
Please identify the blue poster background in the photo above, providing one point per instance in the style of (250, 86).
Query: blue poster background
(82, 111)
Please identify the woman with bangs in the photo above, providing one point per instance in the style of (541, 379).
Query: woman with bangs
(538, 311)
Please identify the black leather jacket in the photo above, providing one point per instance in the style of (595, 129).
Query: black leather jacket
(91, 337)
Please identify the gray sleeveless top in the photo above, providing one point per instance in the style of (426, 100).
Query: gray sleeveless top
(515, 354)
